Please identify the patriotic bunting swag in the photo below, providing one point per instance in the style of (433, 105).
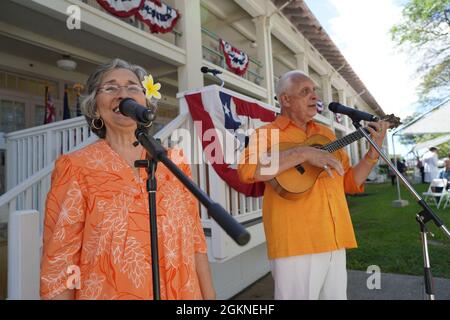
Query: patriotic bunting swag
(237, 60)
(217, 114)
(122, 9)
(319, 106)
(158, 16)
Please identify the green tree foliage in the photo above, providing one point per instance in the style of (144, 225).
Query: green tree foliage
(425, 30)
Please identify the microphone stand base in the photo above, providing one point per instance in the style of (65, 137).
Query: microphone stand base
(400, 203)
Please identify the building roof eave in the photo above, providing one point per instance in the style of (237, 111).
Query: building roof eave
(306, 23)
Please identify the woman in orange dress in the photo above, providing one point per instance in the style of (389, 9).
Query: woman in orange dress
(97, 230)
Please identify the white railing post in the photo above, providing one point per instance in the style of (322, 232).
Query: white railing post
(45, 147)
(219, 238)
(11, 163)
(24, 251)
(2, 141)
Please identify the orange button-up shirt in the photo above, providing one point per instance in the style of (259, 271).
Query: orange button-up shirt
(97, 222)
(317, 222)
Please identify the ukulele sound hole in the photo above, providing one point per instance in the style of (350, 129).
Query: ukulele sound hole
(300, 169)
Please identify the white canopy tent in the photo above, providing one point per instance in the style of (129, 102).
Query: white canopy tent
(437, 120)
(430, 143)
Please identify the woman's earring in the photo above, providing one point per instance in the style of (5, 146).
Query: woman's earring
(97, 127)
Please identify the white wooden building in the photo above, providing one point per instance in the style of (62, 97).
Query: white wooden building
(277, 35)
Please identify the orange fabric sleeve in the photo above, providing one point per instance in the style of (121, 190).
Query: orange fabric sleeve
(350, 186)
(246, 170)
(63, 228)
(177, 156)
(258, 145)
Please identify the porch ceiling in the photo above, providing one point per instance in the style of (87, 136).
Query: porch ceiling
(304, 20)
(31, 52)
(229, 21)
(89, 49)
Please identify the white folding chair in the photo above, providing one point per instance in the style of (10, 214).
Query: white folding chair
(447, 201)
(433, 193)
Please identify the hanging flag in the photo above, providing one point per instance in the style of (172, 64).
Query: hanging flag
(220, 112)
(338, 117)
(78, 106)
(319, 105)
(122, 8)
(49, 107)
(66, 111)
(78, 88)
(158, 16)
(237, 60)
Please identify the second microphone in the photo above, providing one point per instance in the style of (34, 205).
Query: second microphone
(354, 114)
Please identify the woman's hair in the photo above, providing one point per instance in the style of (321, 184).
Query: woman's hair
(89, 103)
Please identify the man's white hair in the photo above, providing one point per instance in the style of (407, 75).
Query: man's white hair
(287, 80)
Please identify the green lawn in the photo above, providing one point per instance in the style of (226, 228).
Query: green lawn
(390, 237)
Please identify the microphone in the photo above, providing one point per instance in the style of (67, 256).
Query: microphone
(130, 108)
(354, 114)
(214, 72)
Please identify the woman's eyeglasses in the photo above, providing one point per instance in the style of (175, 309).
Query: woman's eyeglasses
(114, 89)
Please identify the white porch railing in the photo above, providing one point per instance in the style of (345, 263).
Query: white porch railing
(31, 150)
(31, 193)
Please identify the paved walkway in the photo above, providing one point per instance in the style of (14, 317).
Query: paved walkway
(393, 287)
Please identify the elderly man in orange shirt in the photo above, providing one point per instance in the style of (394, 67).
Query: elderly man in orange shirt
(306, 237)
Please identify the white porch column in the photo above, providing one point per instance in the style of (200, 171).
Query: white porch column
(327, 97)
(302, 62)
(24, 255)
(189, 75)
(356, 145)
(343, 100)
(263, 39)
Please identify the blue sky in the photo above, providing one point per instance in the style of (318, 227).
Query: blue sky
(323, 10)
(360, 29)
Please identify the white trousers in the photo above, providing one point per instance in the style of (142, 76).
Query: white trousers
(311, 277)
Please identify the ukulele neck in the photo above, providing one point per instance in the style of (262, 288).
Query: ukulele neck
(344, 141)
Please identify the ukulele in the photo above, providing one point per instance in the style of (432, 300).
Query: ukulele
(292, 183)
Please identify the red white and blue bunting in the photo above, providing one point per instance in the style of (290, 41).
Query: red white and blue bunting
(158, 16)
(237, 60)
(121, 8)
(319, 105)
(222, 114)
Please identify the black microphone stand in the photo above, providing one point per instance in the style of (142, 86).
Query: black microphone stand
(155, 153)
(214, 73)
(220, 79)
(150, 165)
(422, 217)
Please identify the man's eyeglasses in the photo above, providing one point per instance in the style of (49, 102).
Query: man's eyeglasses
(114, 89)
